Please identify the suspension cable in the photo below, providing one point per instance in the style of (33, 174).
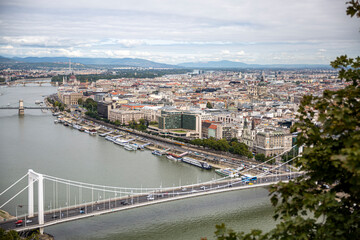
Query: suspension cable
(127, 190)
(120, 188)
(13, 184)
(15, 195)
(246, 170)
(263, 174)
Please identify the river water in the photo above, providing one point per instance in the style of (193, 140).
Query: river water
(35, 142)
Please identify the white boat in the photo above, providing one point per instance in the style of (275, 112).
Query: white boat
(227, 172)
(230, 172)
(76, 126)
(105, 134)
(112, 138)
(109, 138)
(157, 153)
(129, 147)
(121, 142)
(56, 121)
(92, 132)
(196, 163)
(38, 102)
(173, 158)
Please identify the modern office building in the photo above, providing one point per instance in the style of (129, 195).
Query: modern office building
(178, 120)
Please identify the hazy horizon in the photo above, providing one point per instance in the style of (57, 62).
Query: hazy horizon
(173, 32)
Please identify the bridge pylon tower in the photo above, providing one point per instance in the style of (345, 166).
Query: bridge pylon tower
(32, 177)
(21, 108)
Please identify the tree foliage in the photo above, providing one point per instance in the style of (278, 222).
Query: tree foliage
(13, 235)
(234, 146)
(141, 126)
(80, 101)
(61, 106)
(125, 73)
(260, 157)
(324, 204)
(89, 104)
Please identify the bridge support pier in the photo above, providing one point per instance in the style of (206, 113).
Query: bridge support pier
(31, 195)
(39, 177)
(41, 230)
(21, 108)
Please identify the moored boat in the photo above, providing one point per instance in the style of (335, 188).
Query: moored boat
(105, 134)
(173, 158)
(92, 132)
(129, 147)
(157, 153)
(196, 163)
(229, 172)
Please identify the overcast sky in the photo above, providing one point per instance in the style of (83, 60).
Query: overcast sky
(175, 31)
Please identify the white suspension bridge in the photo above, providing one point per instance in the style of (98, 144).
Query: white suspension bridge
(68, 200)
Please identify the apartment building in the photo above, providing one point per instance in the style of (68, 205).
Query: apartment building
(125, 116)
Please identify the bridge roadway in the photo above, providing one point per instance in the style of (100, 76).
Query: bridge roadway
(118, 204)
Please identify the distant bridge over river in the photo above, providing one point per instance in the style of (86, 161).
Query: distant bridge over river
(21, 108)
(24, 82)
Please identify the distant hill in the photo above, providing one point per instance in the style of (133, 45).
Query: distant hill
(137, 62)
(124, 62)
(215, 64)
(230, 64)
(6, 60)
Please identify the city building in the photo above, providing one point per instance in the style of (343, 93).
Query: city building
(70, 98)
(125, 116)
(271, 142)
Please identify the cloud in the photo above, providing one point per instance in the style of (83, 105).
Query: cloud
(240, 53)
(177, 31)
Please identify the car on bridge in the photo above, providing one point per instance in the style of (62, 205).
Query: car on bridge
(124, 203)
(19, 223)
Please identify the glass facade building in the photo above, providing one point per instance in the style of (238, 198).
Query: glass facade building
(176, 120)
